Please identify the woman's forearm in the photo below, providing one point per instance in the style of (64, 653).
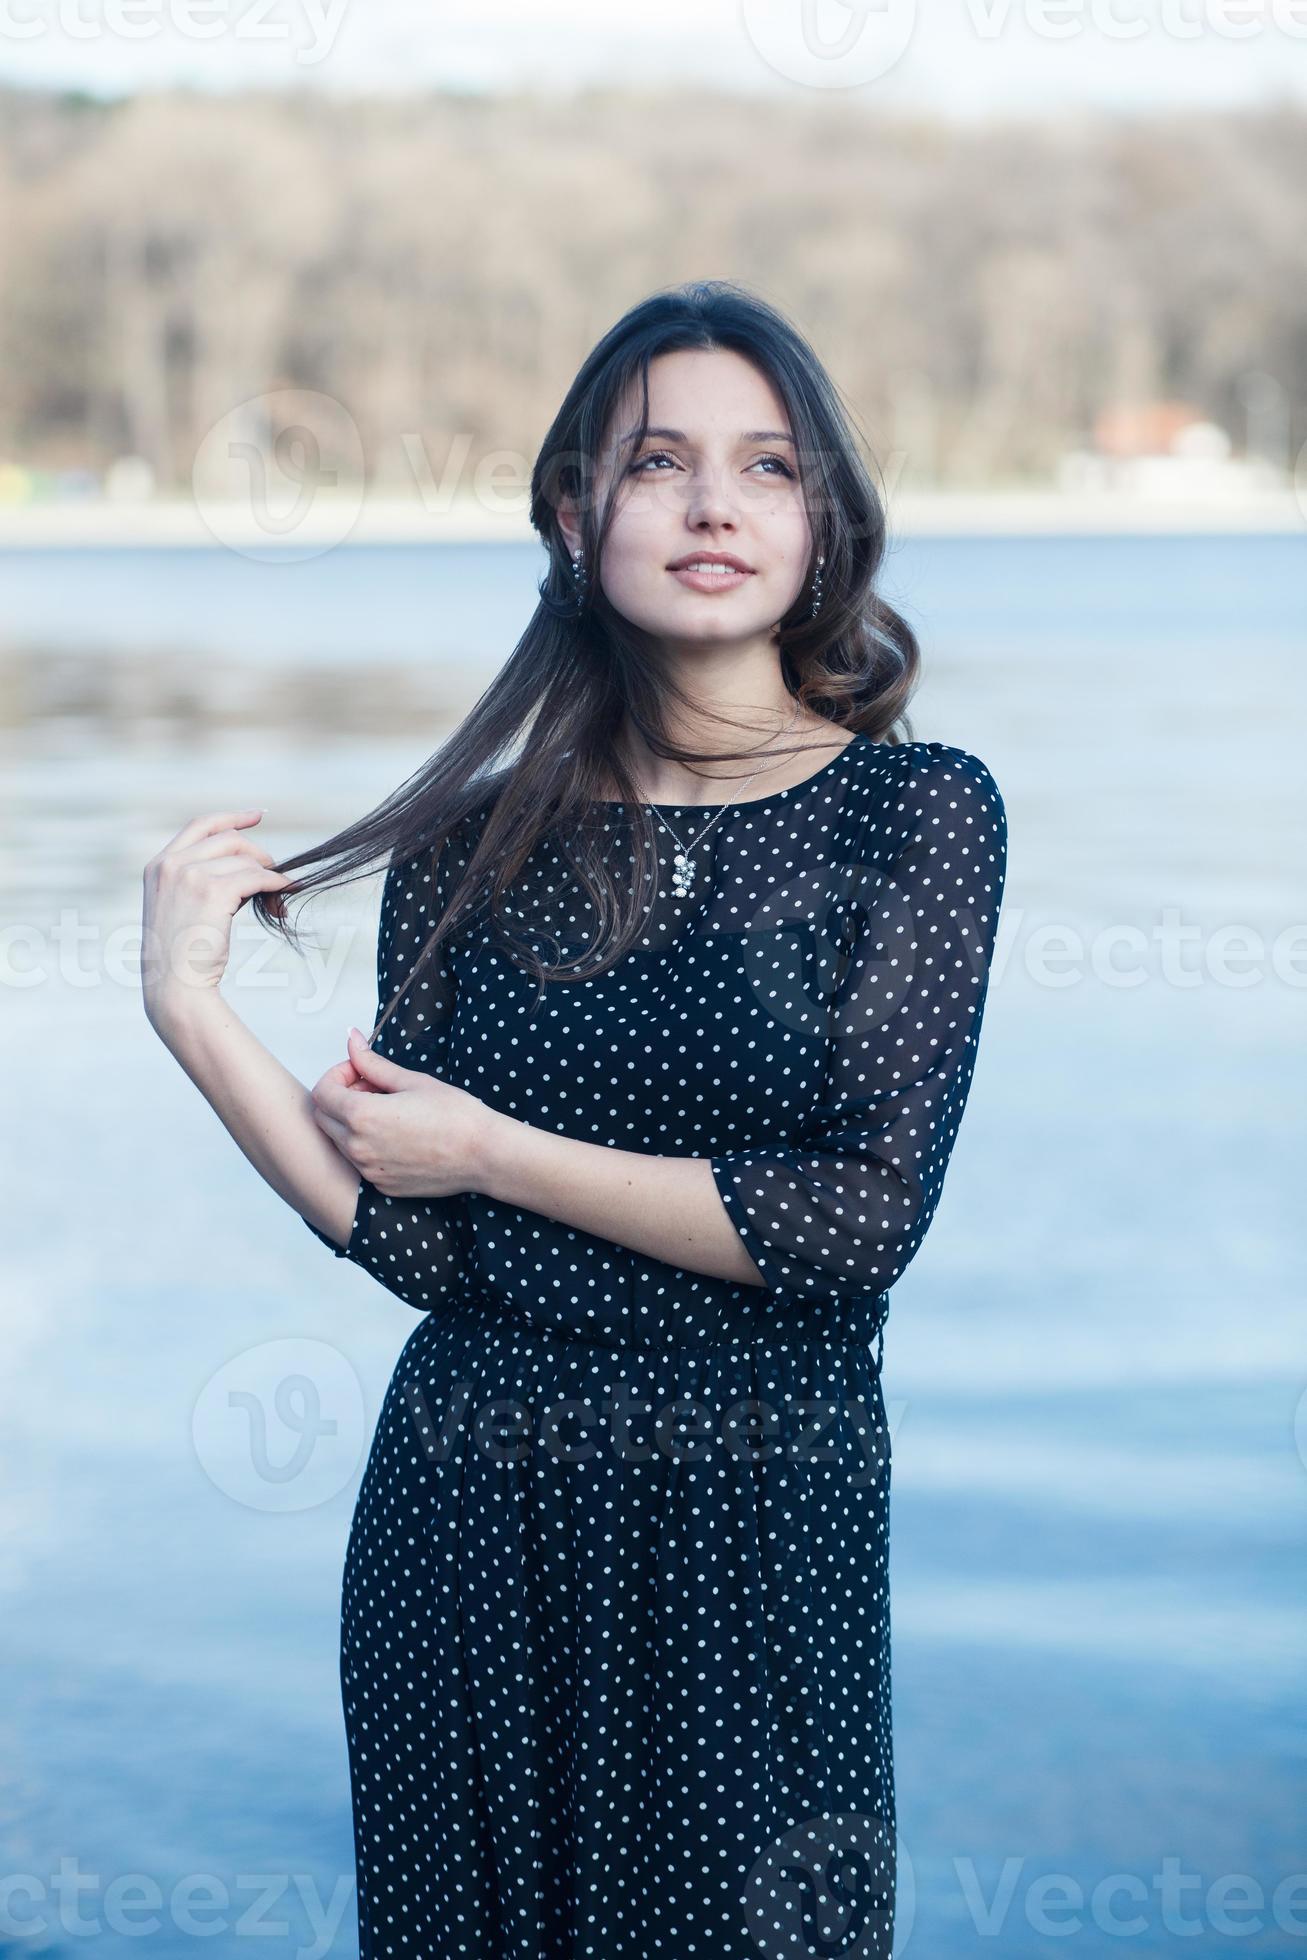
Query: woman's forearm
(669, 1208)
(265, 1108)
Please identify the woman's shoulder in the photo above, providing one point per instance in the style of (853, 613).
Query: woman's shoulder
(917, 785)
(929, 766)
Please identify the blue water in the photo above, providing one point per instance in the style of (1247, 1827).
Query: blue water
(1094, 1368)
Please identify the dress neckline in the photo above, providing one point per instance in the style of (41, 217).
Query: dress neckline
(749, 802)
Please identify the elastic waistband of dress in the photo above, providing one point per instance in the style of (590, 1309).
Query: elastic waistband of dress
(478, 1315)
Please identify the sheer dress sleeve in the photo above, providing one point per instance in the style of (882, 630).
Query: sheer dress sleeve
(845, 1208)
(417, 1247)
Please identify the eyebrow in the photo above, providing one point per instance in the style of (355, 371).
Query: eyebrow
(748, 435)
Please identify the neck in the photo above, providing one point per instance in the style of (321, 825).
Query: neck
(774, 740)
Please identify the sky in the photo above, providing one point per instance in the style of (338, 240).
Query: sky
(959, 57)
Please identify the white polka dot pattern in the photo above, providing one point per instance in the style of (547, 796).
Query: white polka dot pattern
(849, 1206)
(615, 1614)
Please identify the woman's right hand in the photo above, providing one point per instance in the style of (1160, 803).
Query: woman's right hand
(193, 889)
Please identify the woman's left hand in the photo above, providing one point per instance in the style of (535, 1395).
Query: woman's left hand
(406, 1132)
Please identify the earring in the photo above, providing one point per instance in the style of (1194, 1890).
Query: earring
(578, 579)
(816, 585)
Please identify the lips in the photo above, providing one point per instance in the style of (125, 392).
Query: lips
(726, 559)
(710, 577)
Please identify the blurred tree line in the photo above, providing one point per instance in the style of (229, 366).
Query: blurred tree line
(439, 265)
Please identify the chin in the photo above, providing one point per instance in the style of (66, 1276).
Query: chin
(704, 616)
(707, 632)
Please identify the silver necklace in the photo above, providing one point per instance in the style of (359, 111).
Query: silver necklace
(684, 866)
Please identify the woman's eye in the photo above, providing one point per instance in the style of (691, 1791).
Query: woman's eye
(663, 456)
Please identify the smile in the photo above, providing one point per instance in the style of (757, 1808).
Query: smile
(706, 576)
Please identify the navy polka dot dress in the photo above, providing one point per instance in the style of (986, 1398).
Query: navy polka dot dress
(615, 1655)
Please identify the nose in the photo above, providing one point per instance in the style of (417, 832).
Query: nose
(710, 500)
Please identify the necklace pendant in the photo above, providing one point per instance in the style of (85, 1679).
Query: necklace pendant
(683, 876)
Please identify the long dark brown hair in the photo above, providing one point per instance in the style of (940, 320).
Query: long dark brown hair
(542, 744)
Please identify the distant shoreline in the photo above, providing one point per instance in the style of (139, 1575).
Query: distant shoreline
(388, 520)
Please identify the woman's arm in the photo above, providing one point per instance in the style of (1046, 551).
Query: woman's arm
(665, 1207)
(268, 1112)
(843, 1208)
(192, 889)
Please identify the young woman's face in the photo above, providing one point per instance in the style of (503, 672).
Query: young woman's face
(717, 473)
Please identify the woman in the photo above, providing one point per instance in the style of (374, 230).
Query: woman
(658, 1108)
